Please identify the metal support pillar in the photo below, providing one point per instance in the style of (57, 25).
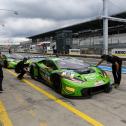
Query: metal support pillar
(105, 26)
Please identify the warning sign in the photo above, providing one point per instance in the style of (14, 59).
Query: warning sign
(119, 52)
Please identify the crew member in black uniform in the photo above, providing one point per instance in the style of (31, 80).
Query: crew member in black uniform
(10, 51)
(21, 68)
(1, 78)
(116, 67)
(1, 73)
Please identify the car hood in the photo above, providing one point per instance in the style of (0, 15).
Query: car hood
(13, 60)
(83, 71)
(88, 74)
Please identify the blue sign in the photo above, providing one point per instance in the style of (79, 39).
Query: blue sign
(107, 68)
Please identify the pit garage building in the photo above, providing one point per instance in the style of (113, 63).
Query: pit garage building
(86, 36)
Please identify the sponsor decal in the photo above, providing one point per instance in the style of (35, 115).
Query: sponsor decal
(70, 89)
(119, 52)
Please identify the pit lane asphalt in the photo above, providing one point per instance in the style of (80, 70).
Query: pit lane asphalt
(29, 107)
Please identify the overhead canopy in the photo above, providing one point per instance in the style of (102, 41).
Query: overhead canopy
(88, 26)
(42, 43)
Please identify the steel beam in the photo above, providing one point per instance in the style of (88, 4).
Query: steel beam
(105, 26)
(114, 19)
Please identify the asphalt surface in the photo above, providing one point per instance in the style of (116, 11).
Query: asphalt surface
(32, 103)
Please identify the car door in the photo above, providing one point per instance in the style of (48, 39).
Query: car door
(47, 69)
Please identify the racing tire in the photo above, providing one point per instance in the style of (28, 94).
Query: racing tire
(90, 94)
(39, 75)
(5, 64)
(87, 93)
(108, 88)
(57, 83)
(32, 72)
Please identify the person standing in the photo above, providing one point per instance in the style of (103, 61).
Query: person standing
(116, 67)
(1, 59)
(53, 49)
(1, 78)
(10, 51)
(1, 73)
(21, 68)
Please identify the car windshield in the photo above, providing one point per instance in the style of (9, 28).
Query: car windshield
(36, 59)
(72, 64)
(15, 56)
(36, 56)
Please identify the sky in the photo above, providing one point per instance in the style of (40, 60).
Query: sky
(38, 16)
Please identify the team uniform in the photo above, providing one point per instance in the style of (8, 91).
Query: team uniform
(1, 73)
(21, 68)
(116, 67)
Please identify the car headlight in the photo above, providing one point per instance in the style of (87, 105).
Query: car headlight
(67, 74)
(71, 76)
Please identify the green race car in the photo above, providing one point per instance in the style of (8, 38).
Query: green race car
(70, 76)
(11, 60)
(32, 59)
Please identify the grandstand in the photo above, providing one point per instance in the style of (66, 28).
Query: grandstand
(88, 35)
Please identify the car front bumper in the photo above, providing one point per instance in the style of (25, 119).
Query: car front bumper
(71, 89)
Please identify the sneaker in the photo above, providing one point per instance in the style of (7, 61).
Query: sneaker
(1, 91)
(19, 77)
(116, 85)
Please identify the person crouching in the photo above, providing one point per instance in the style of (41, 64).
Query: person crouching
(21, 68)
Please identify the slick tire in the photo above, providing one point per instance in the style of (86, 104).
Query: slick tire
(87, 93)
(39, 75)
(57, 83)
(108, 88)
(32, 72)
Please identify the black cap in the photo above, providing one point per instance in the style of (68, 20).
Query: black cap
(104, 56)
(25, 59)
